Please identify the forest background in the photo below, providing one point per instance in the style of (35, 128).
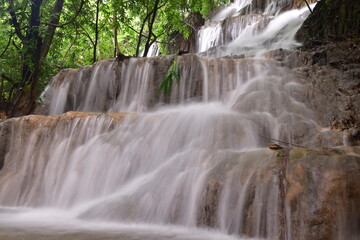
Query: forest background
(41, 37)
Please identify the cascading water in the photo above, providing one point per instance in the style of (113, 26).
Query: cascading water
(251, 33)
(168, 169)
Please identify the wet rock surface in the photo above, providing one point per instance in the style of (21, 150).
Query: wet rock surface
(86, 90)
(322, 192)
(258, 6)
(331, 74)
(310, 193)
(317, 77)
(331, 64)
(332, 20)
(34, 133)
(330, 78)
(317, 192)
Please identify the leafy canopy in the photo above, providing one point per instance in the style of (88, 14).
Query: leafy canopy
(86, 31)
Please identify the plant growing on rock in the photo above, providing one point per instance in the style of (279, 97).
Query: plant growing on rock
(172, 74)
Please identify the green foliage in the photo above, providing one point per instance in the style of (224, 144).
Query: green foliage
(172, 74)
(205, 6)
(73, 45)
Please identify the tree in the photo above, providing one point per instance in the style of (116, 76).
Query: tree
(34, 38)
(41, 37)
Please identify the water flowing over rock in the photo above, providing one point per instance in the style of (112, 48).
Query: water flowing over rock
(258, 193)
(245, 27)
(117, 158)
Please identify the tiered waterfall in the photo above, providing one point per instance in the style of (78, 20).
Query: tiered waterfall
(128, 162)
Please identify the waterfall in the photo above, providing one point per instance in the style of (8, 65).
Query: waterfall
(189, 165)
(251, 33)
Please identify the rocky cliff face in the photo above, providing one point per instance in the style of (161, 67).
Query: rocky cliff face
(330, 74)
(332, 64)
(314, 194)
(332, 20)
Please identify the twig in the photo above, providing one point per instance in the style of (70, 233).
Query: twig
(293, 144)
(67, 52)
(14, 21)
(7, 45)
(70, 21)
(307, 4)
(7, 78)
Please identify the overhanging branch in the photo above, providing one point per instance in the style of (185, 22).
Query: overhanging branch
(7, 45)
(14, 21)
(307, 4)
(70, 21)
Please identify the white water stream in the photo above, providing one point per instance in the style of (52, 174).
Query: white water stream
(147, 177)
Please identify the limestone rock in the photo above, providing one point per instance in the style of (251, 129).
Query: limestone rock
(332, 75)
(310, 193)
(331, 20)
(34, 132)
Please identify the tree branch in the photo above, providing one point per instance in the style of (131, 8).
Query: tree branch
(151, 24)
(7, 45)
(153, 11)
(292, 144)
(70, 21)
(15, 21)
(136, 31)
(67, 52)
(49, 35)
(7, 78)
(307, 4)
(14, 44)
(141, 33)
(88, 35)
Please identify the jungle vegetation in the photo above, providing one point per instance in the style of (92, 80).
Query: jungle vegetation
(41, 37)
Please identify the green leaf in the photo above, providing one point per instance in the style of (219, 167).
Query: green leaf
(172, 74)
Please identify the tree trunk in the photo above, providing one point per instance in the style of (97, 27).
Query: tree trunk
(115, 32)
(96, 30)
(151, 25)
(141, 34)
(54, 20)
(32, 44)
(35, 50)
(31, 60)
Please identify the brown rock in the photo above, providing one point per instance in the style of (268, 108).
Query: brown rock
(331, 20)
(318, 192)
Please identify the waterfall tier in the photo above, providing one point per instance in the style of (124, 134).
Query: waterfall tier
(193, 180)
(136, 161)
